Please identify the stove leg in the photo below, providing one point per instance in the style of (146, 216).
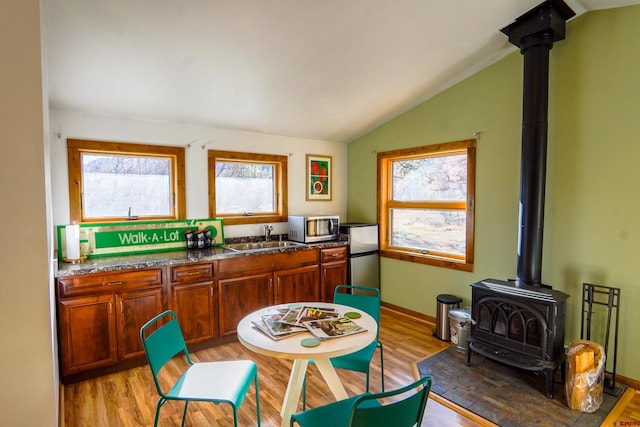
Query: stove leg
(549, 373)
(468, 354)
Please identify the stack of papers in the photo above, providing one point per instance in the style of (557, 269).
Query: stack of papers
(270, 325)
(322, 322)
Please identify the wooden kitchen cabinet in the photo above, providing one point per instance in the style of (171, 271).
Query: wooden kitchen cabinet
(333, 271)
(296, 285)
(251, 282)
(100, 316)
(194, 299)
(240, 296)
(134, 309)
(87, 333)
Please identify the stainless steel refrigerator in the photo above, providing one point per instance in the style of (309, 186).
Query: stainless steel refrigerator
(363, 258)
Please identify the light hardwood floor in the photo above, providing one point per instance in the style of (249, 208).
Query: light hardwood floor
(129, 398)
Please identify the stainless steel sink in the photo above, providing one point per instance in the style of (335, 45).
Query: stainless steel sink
(256, 246)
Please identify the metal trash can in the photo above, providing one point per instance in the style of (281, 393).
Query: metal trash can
(445, 303)
(460, 327)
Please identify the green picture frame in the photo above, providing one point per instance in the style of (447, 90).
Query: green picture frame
(319, 174)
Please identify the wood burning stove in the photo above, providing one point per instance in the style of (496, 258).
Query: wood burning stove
(522, 326)
(522, 323)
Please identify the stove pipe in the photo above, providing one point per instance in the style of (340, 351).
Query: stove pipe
(534, 33)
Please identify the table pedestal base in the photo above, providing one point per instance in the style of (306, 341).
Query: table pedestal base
(298, 372)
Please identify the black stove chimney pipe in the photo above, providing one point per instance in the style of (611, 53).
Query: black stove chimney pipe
(534, 33)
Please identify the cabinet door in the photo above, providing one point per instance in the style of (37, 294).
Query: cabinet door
(87, 333)
(296, 285)
(195, 305)
(241, 296)
(134, 309)
(332, 275)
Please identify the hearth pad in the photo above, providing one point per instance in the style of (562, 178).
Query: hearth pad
(504, 395)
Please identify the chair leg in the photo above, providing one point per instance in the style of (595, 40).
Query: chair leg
(257, 399)
(161, 402)
(184, 414)
(381, 367)
(304, 393)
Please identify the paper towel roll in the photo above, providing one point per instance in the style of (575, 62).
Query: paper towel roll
(72, 241)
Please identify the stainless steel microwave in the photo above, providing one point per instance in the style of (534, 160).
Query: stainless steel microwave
(310, 229)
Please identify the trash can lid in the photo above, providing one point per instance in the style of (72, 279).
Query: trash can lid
(460, 314)
(448, 299)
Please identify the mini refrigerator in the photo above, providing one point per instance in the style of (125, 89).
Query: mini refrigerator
(363, 256)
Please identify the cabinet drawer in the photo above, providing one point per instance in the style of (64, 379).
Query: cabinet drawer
(79, 284)
(190, 273)
(333, 254)
(108, 282)
(132, 279)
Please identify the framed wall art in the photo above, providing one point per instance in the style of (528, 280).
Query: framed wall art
(318, 177)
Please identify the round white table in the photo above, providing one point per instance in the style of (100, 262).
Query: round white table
(291, 348)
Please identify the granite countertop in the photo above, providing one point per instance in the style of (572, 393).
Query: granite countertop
(178, 257)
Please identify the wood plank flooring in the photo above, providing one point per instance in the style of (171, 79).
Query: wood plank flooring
(129, 398)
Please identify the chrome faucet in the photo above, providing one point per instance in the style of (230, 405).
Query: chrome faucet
(268, 228)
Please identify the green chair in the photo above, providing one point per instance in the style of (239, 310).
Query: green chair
(367, 300)
(366, 410)
(217, 382)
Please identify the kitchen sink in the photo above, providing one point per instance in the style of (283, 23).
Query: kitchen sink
(256, 246)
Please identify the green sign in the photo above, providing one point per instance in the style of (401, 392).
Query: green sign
(116, 239)
(124, 238)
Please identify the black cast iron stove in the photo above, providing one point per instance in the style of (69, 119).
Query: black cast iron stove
(521, 326)
(521, 323)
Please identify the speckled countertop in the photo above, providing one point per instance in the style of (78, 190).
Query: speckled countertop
(179, 257)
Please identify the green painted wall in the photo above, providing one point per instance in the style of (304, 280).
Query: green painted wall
(592, 231)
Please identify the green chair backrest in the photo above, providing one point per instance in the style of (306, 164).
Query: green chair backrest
(402, 413)
(368, 300)
(163, 343)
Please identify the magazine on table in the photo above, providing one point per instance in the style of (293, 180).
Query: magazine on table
(333, 327)
(261, 327)
(276, 327)
(297, 316)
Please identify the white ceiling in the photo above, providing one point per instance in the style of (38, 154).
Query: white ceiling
(317, 69)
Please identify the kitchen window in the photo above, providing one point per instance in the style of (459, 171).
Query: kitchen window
(111, 181)
(426, 204)
(247, 188)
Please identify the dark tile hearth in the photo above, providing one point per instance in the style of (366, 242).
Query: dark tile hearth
(505, 395)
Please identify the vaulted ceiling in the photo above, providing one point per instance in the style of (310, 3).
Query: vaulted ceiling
(316, 69)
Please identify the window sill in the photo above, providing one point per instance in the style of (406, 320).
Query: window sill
(427, 260)
(254, 219)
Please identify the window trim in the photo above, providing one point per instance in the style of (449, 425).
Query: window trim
(280, 162)
(75, 147)
(385, 203)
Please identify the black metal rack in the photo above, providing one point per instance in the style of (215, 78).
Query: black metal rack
(610, 298)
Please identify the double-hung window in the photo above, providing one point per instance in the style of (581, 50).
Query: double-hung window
(246, 188)
(426, 204)
(112, 181)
